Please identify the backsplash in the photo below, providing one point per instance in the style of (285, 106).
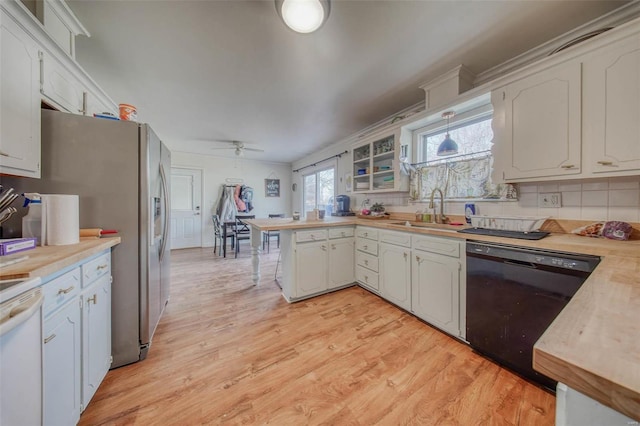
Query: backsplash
(586, 199)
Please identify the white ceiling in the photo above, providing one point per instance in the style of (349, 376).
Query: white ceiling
(209, 70)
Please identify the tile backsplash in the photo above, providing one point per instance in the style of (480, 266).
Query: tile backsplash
(589, 199)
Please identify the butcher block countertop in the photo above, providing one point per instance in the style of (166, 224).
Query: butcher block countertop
(46, 260)
(593, 345)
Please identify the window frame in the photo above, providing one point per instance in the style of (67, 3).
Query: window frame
(315, 173)
(466, 118)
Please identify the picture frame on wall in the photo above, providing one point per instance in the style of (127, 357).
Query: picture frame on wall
(272, 187)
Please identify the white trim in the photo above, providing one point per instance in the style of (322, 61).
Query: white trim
(614, 18)
(66, 15)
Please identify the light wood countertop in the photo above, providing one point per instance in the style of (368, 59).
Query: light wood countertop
(593, 346)
(46, 260)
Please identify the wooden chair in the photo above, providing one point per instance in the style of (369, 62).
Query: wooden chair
(242, 231)
(266, 236)
(219, 236)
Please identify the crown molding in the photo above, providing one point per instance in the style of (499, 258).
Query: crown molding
(614, 18)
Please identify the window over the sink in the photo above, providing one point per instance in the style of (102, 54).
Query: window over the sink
(466, 175)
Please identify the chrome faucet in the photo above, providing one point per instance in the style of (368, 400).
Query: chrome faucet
(438, 218)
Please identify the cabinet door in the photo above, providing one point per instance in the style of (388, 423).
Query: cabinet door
(612, 107)
(62, 87)
(341, 262)
(19, 101)
(395, 275)
(311, 268)
(61, 399)
(96, 336)
(542, 133)
(436, 290)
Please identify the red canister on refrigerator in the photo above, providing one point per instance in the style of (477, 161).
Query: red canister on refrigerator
(128, 112)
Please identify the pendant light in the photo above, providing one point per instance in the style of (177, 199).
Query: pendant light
(448, 146)
(303, 16)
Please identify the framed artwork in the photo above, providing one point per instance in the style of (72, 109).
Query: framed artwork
(348, 182)
(272, 187)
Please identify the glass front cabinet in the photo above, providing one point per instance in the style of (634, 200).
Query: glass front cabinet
(376, 162)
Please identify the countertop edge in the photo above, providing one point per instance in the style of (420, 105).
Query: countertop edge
(44, 261)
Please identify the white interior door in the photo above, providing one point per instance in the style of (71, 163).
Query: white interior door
(186, 208)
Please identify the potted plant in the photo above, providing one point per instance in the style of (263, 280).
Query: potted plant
(377, 209)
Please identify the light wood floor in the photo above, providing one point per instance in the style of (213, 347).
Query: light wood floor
(226, 352)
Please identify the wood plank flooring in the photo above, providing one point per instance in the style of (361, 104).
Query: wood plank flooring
(226, 352)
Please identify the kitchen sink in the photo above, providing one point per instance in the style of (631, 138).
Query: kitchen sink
(425, 225)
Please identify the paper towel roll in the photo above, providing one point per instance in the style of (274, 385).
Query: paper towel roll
(60, 219)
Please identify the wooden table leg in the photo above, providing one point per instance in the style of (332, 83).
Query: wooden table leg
(255, 253)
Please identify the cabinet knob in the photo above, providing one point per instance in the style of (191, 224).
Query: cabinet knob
(333, 246)
(105, 266)
(366, 262)
(605, 163)
(568, 166)
(418, 259)
(93, 299)
(366, 278)
(50, 338)
(65, 290)
(405, 255)
(365, 247)
(323, 247)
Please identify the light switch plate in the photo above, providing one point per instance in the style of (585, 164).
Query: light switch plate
(550, 199)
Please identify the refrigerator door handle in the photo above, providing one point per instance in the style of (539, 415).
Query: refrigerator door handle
(165, 230)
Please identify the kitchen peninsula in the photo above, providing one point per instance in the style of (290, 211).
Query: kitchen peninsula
(602, 314)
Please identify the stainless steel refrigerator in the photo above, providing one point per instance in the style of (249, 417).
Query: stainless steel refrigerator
(121, 171)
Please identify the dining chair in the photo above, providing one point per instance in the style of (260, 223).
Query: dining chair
(266, 236)
(220, 236)
(242, 231)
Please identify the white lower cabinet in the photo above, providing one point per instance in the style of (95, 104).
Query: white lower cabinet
(395, 274)
(341, 262)
(575, 408)
(77, 338)
(395, 268)
(311, 268)
(367, 262)
(96, 336)
(436, 283)
(62, 376)
(316, 261)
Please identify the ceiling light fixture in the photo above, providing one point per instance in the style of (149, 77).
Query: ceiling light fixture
(448, 146)
(303, 16)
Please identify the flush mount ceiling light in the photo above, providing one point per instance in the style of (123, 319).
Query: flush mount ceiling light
(303, 16)
(448, 146)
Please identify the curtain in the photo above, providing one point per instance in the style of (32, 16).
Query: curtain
(460, 179)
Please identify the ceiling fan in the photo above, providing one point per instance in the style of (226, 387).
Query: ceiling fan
(238, 146)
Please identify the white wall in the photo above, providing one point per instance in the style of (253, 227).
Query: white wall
(582, 199)
(217, 169)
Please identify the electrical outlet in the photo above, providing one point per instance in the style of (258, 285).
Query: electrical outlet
(550, 199)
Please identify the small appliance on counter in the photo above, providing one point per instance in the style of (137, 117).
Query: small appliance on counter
(342, 206)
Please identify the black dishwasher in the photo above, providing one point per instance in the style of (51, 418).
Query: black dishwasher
(513, 295)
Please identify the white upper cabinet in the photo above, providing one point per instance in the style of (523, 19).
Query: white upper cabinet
(61, 87)
(612, 108)
(573, 115)
(38, 65)
(376, 164)
(541, 135)
(19, 101)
